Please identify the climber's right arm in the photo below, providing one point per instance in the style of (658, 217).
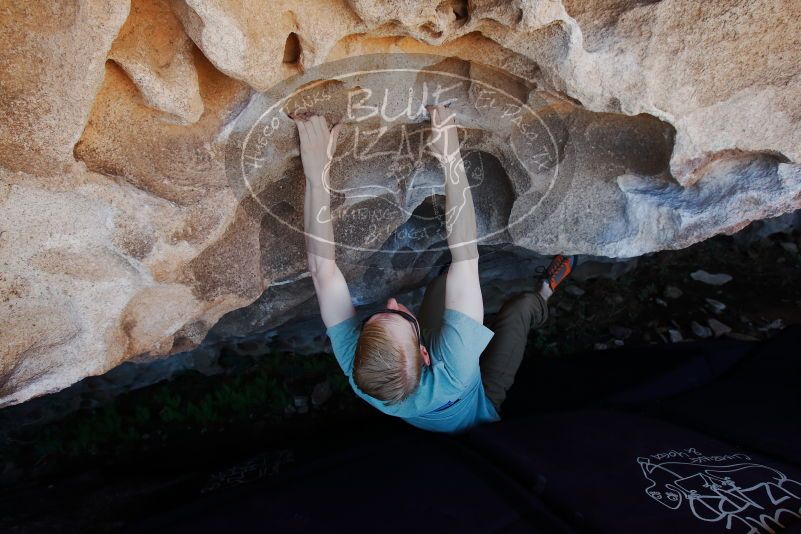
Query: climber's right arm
(317, 145)
(332, 291)
(329, 283)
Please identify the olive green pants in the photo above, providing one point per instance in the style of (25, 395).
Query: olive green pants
(502, 358)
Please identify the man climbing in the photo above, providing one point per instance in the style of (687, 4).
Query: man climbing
(444, 371)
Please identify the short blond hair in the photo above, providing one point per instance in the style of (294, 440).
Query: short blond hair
(383, 369)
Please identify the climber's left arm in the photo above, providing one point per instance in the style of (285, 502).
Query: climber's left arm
(317, 145)
(462, 287)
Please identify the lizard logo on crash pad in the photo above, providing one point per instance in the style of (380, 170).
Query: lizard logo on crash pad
(729, 489)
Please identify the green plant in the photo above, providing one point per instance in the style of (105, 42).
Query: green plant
(203, 413)
(141, 415)
(171, 411)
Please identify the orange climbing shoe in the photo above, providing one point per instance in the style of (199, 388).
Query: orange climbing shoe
(558, 270)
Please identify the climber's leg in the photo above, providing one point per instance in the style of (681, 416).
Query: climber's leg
(504, 354)
(433, 305)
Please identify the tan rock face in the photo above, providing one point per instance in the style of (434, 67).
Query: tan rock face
(131, 218)
(157, 56)
(722, 67)
(51, 60)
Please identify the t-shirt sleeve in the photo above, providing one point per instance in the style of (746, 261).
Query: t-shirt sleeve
(460, 342)
(344, 336)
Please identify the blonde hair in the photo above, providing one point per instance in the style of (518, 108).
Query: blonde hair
(384, 370)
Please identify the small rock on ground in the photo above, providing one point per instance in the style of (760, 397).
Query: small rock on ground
(700, 330)
(776, 324)
(716, 279)
(575, 291)
(675, 336)
(718, 328)
(672, 292)
(321, 393)
(301, 403)
(716, 305)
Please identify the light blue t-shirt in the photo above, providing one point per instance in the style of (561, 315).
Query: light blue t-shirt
(450, 397)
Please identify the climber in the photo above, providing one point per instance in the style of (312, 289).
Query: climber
(444, 370)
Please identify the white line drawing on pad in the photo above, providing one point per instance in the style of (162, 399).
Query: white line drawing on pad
(745, 496)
